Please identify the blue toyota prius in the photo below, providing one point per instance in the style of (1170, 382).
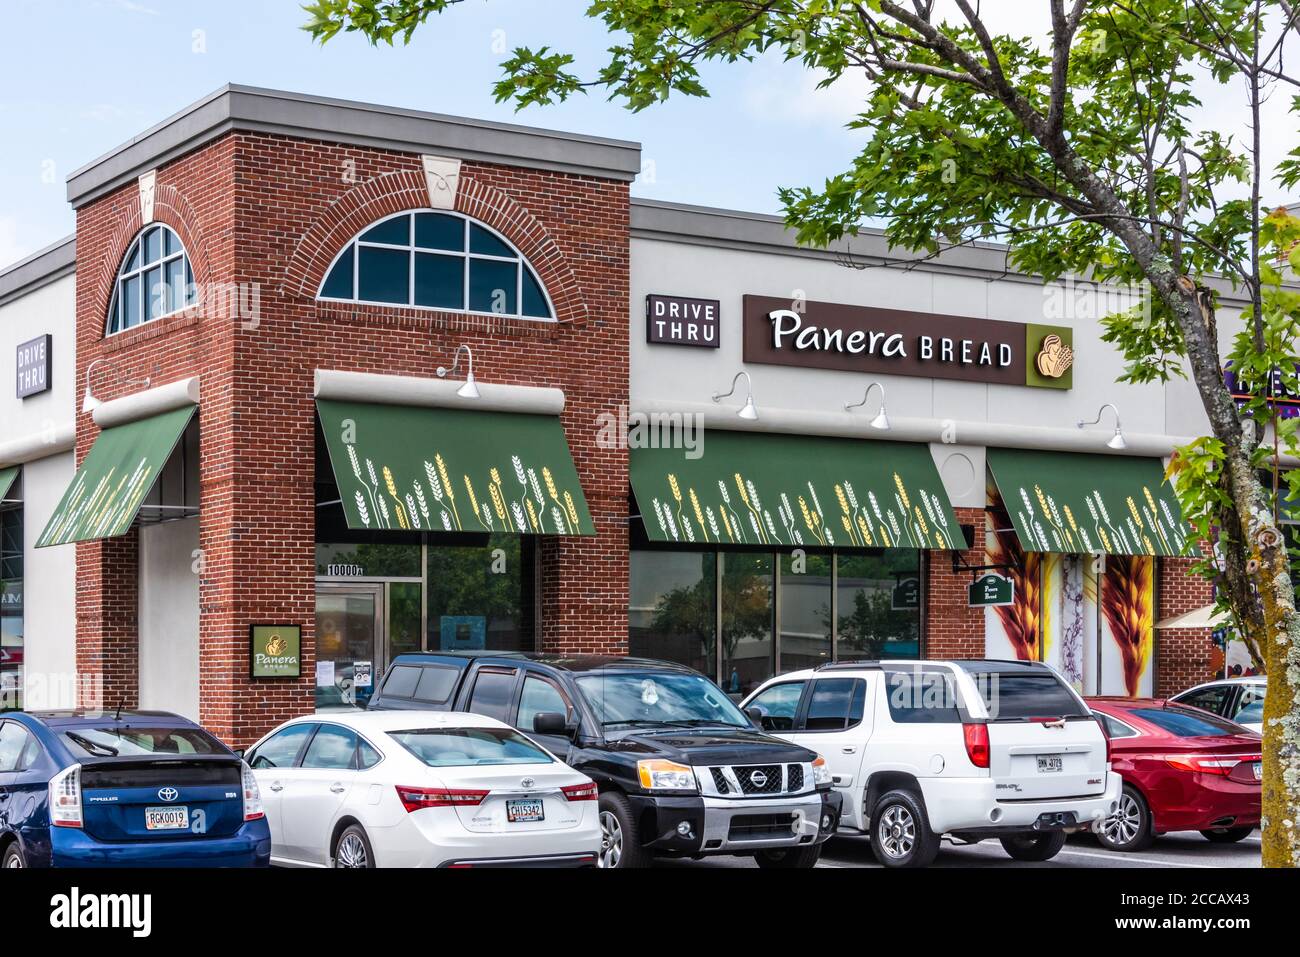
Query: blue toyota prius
(132, 789)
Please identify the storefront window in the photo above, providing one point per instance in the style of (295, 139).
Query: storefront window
(368, 560)
(805, 610)
(11, 607)
(746, 605)
(879, 606)
(673, 612)
(480, 596)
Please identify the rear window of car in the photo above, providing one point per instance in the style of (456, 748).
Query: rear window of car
(1012, 696)
(1185, 723)
(436, 684)
(921, 697)
(402, 681)
(121, 741)
(469, 747)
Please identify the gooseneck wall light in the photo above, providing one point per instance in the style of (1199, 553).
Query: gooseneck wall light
(470, 389)
(89, 402)
(1117, 440)
(881, 421)
(749, 410)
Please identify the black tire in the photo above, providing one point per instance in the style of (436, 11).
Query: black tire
(1129, 828)
(1228, 835)
(620, 846)
(352, 850)
(900, 831)
(1034, 847)
(13, 858)
(793, 857)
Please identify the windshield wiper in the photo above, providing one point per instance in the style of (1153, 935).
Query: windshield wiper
(645, 723)
(703, 722)
(104, 750)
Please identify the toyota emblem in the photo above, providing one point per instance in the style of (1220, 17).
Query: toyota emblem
(758, 779)
(168, 794)
(527, 783)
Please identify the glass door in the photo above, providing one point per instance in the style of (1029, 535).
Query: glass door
(349, 643)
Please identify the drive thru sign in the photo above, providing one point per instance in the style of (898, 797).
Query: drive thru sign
(990, 589)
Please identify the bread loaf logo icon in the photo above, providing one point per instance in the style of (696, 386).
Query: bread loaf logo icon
(1055, 357)
(276, 646)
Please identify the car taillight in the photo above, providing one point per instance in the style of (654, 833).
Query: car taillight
(1211, 764)
(977, 743)
(580, 792)
(65, 798)
(413, 799)
(253, 809)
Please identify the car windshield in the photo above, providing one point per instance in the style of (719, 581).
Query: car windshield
(469, 747)
(121, 741)
(1186, 722)
(651, 700)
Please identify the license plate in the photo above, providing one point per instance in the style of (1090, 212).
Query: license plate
(1049, 763)
(523, 812)
(1259, 771)
(166, 818)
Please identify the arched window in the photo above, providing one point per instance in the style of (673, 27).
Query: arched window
(155, 280)
(436, 261)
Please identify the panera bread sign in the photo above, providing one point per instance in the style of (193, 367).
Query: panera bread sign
(825, 335)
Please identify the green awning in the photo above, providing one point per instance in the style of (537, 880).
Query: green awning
(415, 468)
(1075, 502)
(764, 489)
(7, 477)
(114, 479)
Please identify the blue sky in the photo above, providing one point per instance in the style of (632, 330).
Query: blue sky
(80, 77)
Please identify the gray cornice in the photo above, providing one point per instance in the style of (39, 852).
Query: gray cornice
(39, 269)
(252, 109)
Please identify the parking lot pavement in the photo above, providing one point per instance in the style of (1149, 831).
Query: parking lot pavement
(1175, 850)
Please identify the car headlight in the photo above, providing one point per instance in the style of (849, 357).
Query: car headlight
(821, 773)
(660, 775)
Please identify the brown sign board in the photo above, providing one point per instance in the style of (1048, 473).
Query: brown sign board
(825, 335)
(681, 321)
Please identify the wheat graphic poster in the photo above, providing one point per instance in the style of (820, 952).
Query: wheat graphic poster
(795, 491)
(412, 469)
(1079, 503)
(116, 476)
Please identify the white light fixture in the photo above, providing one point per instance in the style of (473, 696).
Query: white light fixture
(881, 421)
(1117, 440)
(749, 411)
(470, 389)
(89, 402)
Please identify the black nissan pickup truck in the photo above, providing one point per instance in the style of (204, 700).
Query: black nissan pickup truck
(682, 771)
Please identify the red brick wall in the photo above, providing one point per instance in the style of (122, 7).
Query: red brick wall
(953, 629)
(1183, 655)
(273, 211)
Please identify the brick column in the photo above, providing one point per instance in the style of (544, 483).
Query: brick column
(108, 650)
(954, 630)
(1184, 656)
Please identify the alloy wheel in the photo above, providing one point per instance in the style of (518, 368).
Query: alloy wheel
(1125, 824)
(14, 862)
(896, 832)
(611, 840)
(351, 852)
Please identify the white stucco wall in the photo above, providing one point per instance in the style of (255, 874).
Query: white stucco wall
(169, 617)
(49, 599)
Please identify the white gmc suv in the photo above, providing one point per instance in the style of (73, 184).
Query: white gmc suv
(967, 750)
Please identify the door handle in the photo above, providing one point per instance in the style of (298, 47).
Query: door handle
(276, 786)
(337, 788)
(849, 750)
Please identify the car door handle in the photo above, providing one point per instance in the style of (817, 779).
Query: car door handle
(277, 786)
(337, 788)
(849, 750)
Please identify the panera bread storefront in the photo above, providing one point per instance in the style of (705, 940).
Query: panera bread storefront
(861, 460)
(353, 381)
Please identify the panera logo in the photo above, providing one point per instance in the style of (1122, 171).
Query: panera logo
(1054, 358)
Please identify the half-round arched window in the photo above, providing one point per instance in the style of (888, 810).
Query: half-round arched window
(436, 260)
(155, 280)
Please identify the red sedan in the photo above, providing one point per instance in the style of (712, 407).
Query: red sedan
(1184, 769)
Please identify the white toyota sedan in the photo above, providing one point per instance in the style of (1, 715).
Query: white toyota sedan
(420, 789)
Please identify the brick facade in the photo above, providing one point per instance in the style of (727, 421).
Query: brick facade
(1184, 656)
(952, 628)
(271, 212)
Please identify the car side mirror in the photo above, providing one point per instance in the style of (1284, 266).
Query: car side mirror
(239, 753)
(552, 722)
(754, 715)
